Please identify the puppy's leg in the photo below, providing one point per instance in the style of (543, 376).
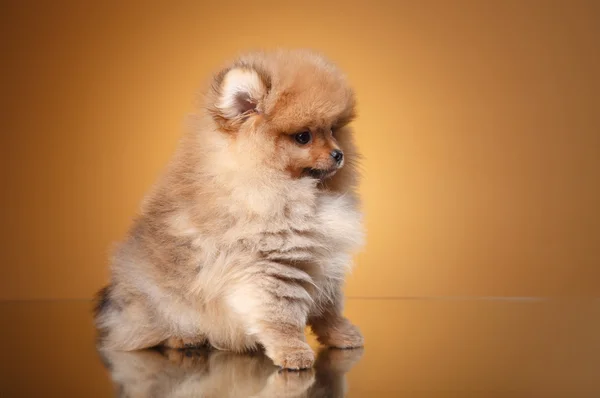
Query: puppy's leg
(285, 343)
(124, 321)
(273, 303)
(331, 327)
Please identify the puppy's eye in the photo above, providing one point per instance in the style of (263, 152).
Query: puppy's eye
(303, 138)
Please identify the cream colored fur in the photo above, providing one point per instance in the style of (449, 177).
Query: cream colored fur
(236, 246)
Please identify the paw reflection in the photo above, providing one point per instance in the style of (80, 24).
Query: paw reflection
(209, 373)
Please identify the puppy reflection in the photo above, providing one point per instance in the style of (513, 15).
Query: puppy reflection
(208, 373)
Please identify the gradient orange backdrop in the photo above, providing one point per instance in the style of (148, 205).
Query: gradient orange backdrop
(479, 123)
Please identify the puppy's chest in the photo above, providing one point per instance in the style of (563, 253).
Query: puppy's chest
(330, 229)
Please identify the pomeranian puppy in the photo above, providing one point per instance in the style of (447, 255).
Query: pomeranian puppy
(249, 233)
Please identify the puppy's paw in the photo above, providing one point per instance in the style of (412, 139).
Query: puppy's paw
(294, 358)
(342, 334)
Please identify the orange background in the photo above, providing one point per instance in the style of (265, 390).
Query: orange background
(479, 123)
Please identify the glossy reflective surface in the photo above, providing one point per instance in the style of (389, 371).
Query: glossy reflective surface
(414, 348)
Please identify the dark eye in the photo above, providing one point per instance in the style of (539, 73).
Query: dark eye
(303, 138)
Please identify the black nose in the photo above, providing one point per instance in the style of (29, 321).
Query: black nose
(337, 155)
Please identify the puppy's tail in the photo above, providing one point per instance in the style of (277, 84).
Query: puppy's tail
(101, 301)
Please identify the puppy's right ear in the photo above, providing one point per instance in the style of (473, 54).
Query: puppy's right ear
(238, 94)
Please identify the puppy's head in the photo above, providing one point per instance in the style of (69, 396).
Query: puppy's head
(286, 111)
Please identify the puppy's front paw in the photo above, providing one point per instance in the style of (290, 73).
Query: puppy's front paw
(342, 334)
(294, 358)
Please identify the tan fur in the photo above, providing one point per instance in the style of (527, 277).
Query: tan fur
(235, 245)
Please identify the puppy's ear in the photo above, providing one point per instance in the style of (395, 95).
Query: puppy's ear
(239, 93)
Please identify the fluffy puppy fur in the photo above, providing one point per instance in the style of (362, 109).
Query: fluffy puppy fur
(248, 235)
